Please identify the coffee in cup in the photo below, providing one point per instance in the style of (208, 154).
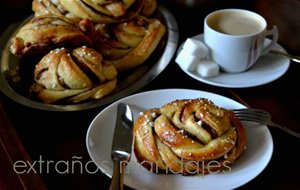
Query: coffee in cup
(236, 38)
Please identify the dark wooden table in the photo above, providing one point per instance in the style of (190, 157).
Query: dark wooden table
(30, 135)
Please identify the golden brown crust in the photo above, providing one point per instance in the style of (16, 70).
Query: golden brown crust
(43, 33)
(130, 43)
(73, 76)
(45, 7)
(189, 137)
(145, 140)
(102, 11)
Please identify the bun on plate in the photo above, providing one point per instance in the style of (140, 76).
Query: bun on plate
(190, 136)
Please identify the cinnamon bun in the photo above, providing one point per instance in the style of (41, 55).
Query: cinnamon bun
(43, 33)
(45, 7)
(129, 44)
(73, 76)
(192, 136)
(103, 11)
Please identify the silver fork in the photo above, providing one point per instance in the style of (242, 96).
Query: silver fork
(261, 116)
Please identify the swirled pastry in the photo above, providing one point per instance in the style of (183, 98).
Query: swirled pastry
(43, 33)
(44, 7)
(129, 44)
(188, 137)
(104, 11)
(73, 76)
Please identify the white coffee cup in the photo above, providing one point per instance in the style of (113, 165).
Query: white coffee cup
(236, 38)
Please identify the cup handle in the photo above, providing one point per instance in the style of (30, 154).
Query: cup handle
(274, 33)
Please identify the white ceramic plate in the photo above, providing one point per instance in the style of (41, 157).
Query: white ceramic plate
(248, 166)
(267, 69)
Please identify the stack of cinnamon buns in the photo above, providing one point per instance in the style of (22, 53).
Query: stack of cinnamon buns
(84, 44)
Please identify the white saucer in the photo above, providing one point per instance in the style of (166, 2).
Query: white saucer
(251, 163)
(268, 68)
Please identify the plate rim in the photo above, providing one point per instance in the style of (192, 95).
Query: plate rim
(152, 73)
(111, 106)
(226, 85)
